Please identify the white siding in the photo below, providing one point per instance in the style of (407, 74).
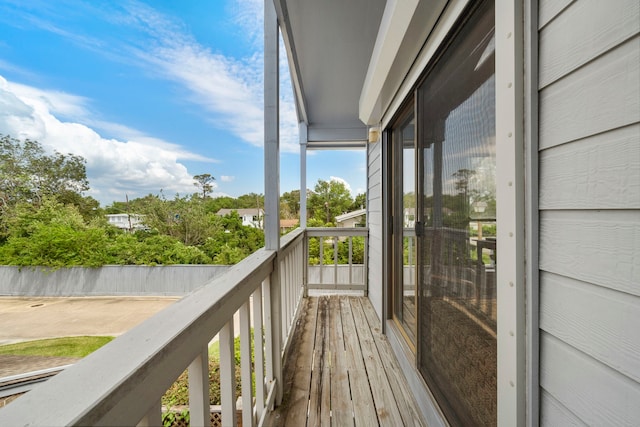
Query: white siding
(374, 217)
(589, 199)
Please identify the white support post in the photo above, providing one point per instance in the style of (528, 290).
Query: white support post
(302, 131)
(227, 376)
(245, 366)
(510, 190)
(199, 409)
(272, 178)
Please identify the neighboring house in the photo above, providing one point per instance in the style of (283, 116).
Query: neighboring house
(409, 218)
(351, 219)
(288, 224)
(250, 217)
(129, 222)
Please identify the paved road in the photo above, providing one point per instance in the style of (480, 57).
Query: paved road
(23, 319)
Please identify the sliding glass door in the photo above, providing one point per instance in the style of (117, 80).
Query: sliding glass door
(445, 247)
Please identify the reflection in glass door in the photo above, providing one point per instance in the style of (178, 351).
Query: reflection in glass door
(405, 304)
(456, 137)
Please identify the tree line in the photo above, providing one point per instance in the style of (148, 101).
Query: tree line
(45, 220)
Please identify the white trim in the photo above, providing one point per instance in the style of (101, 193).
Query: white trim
(292, 58)
(446, 22)
(272, 182)
(510, 189)
(532, 214)
(393, 27)
(427, 403)
(302, 132)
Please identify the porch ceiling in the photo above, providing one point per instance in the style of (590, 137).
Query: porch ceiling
(329, 45)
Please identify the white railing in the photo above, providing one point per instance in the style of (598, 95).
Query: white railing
(291, 269)
(124, 381)
(347, 266)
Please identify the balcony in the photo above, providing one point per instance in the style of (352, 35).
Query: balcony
(330, 349)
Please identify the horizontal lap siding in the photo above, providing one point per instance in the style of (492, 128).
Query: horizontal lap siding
(374, 216)
(589, 199)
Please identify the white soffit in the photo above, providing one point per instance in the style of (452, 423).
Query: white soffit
(329, 45)
(404, 29)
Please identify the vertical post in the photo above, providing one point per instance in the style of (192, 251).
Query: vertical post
(510, 213)
(228, 376)
(272, 179)
(200, 411)
(336, 239)
(258, 350)
(302, 131)
(245, 365)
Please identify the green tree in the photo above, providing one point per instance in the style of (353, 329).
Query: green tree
(183, 218)
(290, 204)
(328, 200)
(52, 235)
(250, 201)
(29, 174)
(205, 183)
(360, 202)
(232, 241)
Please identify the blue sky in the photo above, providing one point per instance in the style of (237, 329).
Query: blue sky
(150, 94)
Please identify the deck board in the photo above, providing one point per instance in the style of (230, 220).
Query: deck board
(341, 408)
(363, 405)
(351, 376)
(298, 397)
(400, 388)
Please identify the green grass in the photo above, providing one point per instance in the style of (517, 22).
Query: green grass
(60, 347)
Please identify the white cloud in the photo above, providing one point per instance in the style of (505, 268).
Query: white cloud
(136, 165)
(226, 178)
(341, 180)
(231, 88)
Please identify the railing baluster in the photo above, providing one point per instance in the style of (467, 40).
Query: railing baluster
(268, 336)
(258, 351)
(199, 409)
(287, 290)
(245, 366)
(350, 260)
(293, 284)
(335, 261)
(153, 417)
(227, 376)
(321, 257)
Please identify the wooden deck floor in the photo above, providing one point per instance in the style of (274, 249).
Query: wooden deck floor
(340, 370)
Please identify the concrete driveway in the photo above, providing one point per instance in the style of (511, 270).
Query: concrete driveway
(30, 318)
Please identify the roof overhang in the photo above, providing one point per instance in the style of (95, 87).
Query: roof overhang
(329, 45)
(348, 60)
